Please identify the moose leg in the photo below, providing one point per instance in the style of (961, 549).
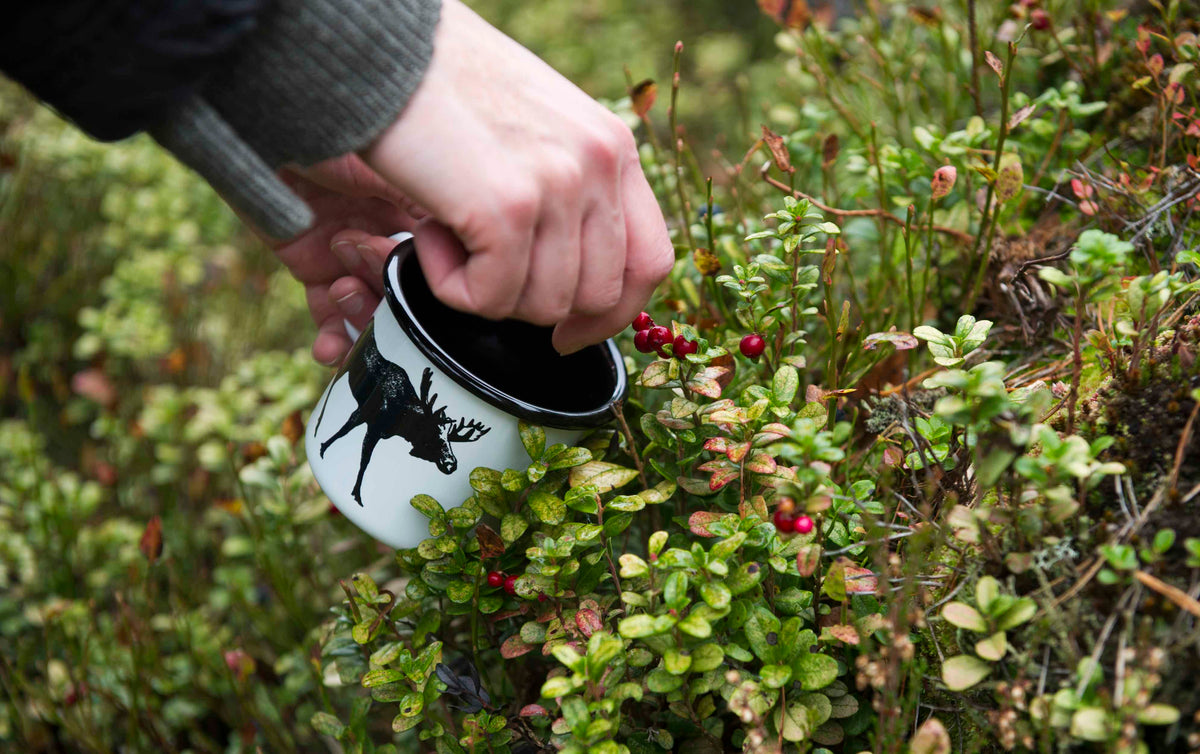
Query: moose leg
(324, 405)
(353, 421)
(368, 447)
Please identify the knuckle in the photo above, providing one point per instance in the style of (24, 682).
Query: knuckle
(565, 177)
(601, 297)
(659, 265)
(519, 206)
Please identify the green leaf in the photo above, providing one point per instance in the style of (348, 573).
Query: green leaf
(707, 657)
(427, 506)
(567, 458)
(964, 671)
(993, 647)
(380, 676)
(660, 681)
(603, 475)
(815, 670)
(676, 662)
(512, 526)
(716, 594)
(637, 626)
(1091, 724)
(533, 438)
(1021, 611)
(1158, 714)
(556, 687)
(327, 725)
(776, 676)
(675, 591)
(547, 507)
(460, 591)
(632, 566)
(696, 625)
(964, 616)
(784, 385)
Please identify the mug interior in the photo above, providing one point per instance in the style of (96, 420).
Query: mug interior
(508, 363)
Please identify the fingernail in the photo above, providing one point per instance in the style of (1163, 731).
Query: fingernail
(351, 303)
(369, 255)
(347, 253)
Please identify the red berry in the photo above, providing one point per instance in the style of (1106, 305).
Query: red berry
(642, 322)
(641, 341)
(657, 337)
(1039, 19)
(683, 346)
(495, 579)
(752, 346)
(784, 522)
(804, 524)
(542, 597)
(510, 584)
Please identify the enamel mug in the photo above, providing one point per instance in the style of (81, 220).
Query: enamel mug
(428, 394)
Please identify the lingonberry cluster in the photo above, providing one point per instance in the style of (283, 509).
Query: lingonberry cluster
(786, 521)
(651, 338)
(498, 579)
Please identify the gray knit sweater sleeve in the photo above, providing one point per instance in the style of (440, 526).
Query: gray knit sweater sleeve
(320, 78)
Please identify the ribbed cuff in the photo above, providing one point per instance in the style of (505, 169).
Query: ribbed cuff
(319, 79)
(203, 141)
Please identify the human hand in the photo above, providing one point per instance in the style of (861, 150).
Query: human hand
(538, 207)
(347, 283)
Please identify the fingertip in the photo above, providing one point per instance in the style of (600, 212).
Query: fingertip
(328, 349)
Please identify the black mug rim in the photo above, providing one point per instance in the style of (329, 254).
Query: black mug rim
(522, 409)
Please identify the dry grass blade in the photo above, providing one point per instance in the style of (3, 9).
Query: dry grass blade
(1181, 598)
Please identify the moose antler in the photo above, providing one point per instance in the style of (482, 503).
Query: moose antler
(426, 383)
(473, 431)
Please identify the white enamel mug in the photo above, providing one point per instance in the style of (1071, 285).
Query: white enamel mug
(428, 394)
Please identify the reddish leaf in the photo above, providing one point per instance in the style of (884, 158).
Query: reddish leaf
(808, 558)
(514, 646)
(722, 477)
(491, 545)
(762, 463)
(829, 151)
(859, 580)
(642, 97)
(943, 181)
(737, 451)
(706, 382)
(892, 456)
(698, 522)
(772, 432)
(844, 633)
(239, 663)
(792, 14)
(95, 386)
(994, 63)
(534, 710)
(717, 444)
(1020, 116)
(901, 340)
(587, 622)
(779, 150)
(151, 543)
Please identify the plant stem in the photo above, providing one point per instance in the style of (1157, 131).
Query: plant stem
(990, 214)
(677, 146)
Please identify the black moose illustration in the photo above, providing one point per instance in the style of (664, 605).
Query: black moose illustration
(390, 407)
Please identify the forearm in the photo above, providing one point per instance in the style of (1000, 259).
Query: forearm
(235, 88)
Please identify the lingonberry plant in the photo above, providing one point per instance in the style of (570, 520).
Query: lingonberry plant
(944, 501)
